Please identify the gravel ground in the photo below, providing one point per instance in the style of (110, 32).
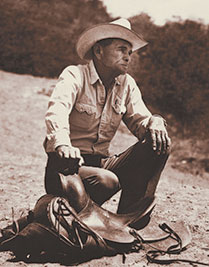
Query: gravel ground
(181, 195)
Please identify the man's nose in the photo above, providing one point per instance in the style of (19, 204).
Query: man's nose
(127, 57)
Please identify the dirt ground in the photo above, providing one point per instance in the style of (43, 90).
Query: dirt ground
(183, 191)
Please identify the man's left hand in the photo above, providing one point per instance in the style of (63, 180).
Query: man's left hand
(159, 136)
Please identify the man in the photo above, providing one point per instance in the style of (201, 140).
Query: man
(84, 112)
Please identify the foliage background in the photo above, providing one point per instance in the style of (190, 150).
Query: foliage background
(38, 37)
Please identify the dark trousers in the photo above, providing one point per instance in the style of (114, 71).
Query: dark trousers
(136, 172)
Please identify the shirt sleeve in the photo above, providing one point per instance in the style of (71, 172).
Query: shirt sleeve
(137, 114)
(60, 106)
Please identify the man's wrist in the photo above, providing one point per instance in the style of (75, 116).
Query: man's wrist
(159, 116)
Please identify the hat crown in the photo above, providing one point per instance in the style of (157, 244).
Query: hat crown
(122, 22)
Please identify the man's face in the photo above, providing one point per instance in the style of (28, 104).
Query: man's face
(116, 56)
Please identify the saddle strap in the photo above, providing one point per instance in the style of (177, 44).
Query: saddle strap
(77, 224)
(153, 255)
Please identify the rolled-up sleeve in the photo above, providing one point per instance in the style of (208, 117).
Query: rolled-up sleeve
(60, 105)
(137, 114)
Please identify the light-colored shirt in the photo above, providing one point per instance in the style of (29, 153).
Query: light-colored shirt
(83, 115)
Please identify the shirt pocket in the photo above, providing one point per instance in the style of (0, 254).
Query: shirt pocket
(118, 110)
(83, 115)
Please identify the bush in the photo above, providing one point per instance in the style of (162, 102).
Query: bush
(38, 36)
(173, 72)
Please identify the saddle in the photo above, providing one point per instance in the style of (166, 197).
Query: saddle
(57, 228)
(107, 226)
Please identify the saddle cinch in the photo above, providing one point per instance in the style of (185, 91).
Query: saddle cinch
(57, 230)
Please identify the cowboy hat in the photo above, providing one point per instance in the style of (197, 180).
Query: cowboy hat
(120, 28)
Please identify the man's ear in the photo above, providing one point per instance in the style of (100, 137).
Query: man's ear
(97, 51)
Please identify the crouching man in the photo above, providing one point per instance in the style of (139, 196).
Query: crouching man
(84, 113)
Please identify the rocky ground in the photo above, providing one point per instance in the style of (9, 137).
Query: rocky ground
(182, 194)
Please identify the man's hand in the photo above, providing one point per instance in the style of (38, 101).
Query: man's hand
(158, 134)
(69, 152)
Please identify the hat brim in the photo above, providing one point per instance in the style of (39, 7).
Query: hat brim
(104, 31)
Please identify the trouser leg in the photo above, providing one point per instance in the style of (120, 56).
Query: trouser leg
(100, 184)
(138, 169)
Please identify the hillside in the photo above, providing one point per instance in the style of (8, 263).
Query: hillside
(182, 193)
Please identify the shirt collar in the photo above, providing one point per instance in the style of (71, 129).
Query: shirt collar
(94, 77)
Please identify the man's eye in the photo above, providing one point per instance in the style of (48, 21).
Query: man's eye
(124, 50)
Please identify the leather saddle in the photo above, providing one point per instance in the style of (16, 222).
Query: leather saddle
(97, 217)
(95, 226)
(85, 226)
(109, 226)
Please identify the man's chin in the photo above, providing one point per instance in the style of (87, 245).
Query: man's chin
(122, 71)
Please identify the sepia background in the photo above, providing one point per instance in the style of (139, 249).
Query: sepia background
(37, 41)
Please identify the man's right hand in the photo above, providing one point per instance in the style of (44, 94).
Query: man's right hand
(69, 152)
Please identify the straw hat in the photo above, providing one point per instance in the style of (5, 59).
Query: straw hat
(120, 28)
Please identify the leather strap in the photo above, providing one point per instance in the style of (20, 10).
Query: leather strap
(153, 255)
(66, 210)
